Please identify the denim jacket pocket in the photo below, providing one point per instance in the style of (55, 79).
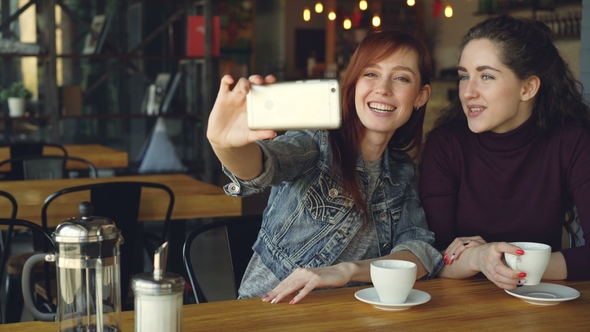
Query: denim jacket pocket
(325, 200)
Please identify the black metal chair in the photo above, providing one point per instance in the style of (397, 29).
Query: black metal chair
(21, 149)
(14, 301)
(44, 167)
(33, 167)
(27, 149)
(5, 243)
(237, 234)
(119, 201)
(6, 238)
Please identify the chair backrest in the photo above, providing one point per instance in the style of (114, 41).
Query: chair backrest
(12, 200)
(5, 240)
(216, 255)
(21, 149)
(119, 201)
(573, 235)
(28, 149)
(44, 167)
(38, 232)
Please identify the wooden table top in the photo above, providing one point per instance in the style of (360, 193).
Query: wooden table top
(459, 305)
(99, 155)
(193, 198)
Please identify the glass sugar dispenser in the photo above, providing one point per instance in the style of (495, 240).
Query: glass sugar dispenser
(158, 297)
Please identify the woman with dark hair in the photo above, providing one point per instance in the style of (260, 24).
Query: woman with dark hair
(510, 159)
(340, 198)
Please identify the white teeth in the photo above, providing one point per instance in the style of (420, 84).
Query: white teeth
(383, 108)
(476, 109)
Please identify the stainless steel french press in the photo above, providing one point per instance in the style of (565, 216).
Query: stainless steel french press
(88, 274)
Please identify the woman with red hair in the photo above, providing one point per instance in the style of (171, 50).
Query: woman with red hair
(340, 198)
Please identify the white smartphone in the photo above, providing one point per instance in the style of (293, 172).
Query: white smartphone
(310, 104)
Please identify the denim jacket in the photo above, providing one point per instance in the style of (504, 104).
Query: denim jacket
(309, 221)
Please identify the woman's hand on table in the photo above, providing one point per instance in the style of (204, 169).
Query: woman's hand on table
(459, 245)
(304, 280)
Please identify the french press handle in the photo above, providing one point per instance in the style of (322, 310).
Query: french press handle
(26, 287)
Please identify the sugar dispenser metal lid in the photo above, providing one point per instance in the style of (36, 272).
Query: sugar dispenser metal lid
(158, 297)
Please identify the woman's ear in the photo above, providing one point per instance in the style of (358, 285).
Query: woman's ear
(423, 95)
(530, 88)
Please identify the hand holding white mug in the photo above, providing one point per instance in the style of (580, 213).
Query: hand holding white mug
(533, 262)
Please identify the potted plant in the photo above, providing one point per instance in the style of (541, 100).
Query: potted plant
(16, 95)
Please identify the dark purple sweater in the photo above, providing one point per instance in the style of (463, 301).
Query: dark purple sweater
(508, 187)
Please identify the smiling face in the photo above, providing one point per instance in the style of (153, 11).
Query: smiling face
(493, 97)
(387, 92)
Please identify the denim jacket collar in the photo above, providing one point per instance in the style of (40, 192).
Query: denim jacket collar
(385, 164)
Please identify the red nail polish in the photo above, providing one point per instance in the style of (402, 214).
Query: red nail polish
(522, 275)
(520, 252)
(445, 257)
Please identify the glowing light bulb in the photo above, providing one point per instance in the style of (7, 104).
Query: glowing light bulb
(411, 2)
(347, 24)
(363, 5)
(376, 21)
(319, 7)
(306, 14)
(332, 16)
(448, 11)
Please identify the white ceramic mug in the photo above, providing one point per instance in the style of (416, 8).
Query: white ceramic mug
(393, 279)
(533, 262)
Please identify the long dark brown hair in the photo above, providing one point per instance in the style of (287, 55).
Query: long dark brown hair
(346, 140)
(526, 48)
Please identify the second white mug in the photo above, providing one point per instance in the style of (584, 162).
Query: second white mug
(393, 279)
(533, 262)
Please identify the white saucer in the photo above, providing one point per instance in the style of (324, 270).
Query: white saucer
(369, 295)
(544, 294)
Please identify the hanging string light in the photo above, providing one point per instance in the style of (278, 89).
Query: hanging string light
(319, 7)
(411, 2)
(306, 14)
(448, 11)
(347, 24)
(332, 16)
(376, 21)
(363, 5)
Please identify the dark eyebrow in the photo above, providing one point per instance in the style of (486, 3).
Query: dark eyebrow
(480, 68)
(405, 68)
(396, 68)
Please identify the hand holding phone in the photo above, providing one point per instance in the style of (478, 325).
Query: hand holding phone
(311, 104)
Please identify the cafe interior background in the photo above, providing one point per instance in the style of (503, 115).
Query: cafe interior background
(101, 95)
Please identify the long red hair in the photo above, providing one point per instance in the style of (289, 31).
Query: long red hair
(346, 140)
